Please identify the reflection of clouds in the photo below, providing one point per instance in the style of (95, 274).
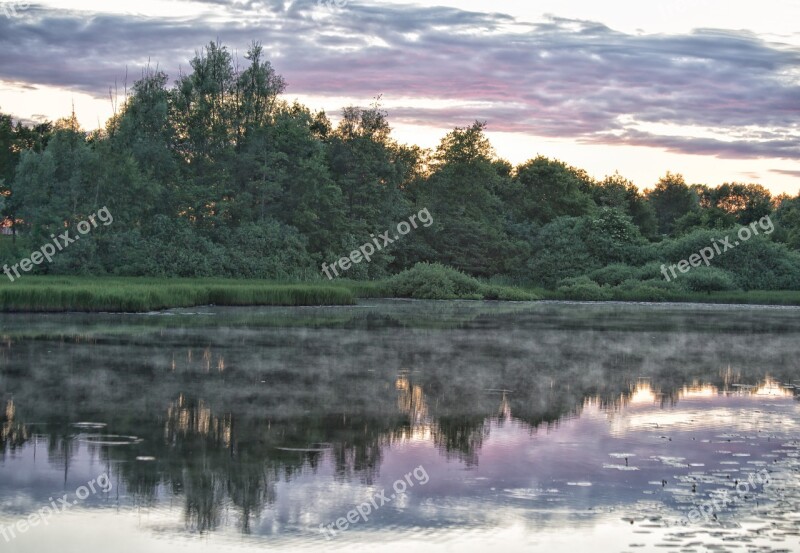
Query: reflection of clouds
(773, 388)
(693, 410)
(642, 393)
(521, 477)
(703, 391)
(722, 418)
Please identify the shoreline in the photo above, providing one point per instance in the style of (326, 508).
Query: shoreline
(51, 294)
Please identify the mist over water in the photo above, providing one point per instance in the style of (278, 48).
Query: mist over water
(544, 427)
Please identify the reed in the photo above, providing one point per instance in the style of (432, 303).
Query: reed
(46, 294)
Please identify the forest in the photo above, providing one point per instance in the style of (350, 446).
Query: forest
(216, 175)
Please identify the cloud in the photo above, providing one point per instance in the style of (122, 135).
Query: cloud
(557, 78)
(736, 149)
(788, 172)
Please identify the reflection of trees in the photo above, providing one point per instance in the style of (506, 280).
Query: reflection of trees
(205, 496)
(14, 434)
(457, 436)
(229, 415)
(461, 437)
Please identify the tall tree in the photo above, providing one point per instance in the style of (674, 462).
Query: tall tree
(469, 226)
(620, 193)
(543, 189)
(672, 199)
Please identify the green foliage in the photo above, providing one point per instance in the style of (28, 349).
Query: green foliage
(559, 252)
(583, 288)
(433, 281)
(614, 274)
(745, 202)
(611, 237)
(544, 189)
(651, 271)
(617, 192)
(671, 199)
(469, 228)
(756, 264)
(215, 175)
(707, 279)
(136, 295)
(636, 290)
(574, 246)
(787, 222)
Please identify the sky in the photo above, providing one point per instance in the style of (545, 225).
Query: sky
(706, 88)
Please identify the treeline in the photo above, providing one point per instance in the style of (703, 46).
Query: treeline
(217, 175)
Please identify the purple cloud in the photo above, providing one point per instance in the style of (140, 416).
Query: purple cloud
(559, 78)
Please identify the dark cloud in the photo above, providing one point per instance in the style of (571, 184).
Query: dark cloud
(559, 78)
(788, 172)
(737, 149)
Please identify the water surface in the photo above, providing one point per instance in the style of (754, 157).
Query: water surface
(540, 427)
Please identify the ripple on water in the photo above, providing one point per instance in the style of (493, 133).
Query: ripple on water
(89, 425)
(766, 518)
(618, 467)
(109, 439)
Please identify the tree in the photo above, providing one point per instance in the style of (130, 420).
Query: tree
(617, 192)
(543, 189)
(787, 221)
(469, 225)
(671, 199)
(746, 202)
(291, 182)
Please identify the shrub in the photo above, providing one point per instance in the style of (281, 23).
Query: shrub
(614, 274)
(583, 288)
(574, 246)
(433, 281)
(660, 283)
(637, 290)
(707, 279)
(754, 264)
(650, 271)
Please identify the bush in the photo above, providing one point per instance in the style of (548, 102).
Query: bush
(650, 271)
(433, 281)
(754, 264)
(707, 279)
(571, 247)
(614, 274)
(660, 283)
(559, 252)
(583, 288)
(637, 290)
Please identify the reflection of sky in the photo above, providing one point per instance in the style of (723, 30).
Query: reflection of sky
(558, 485)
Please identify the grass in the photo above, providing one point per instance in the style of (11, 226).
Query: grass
(130, 294)
(54, 294)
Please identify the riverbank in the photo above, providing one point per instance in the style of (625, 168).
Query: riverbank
(130, 294)
(735, 297)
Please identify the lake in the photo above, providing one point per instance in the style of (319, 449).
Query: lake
(392, 425)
